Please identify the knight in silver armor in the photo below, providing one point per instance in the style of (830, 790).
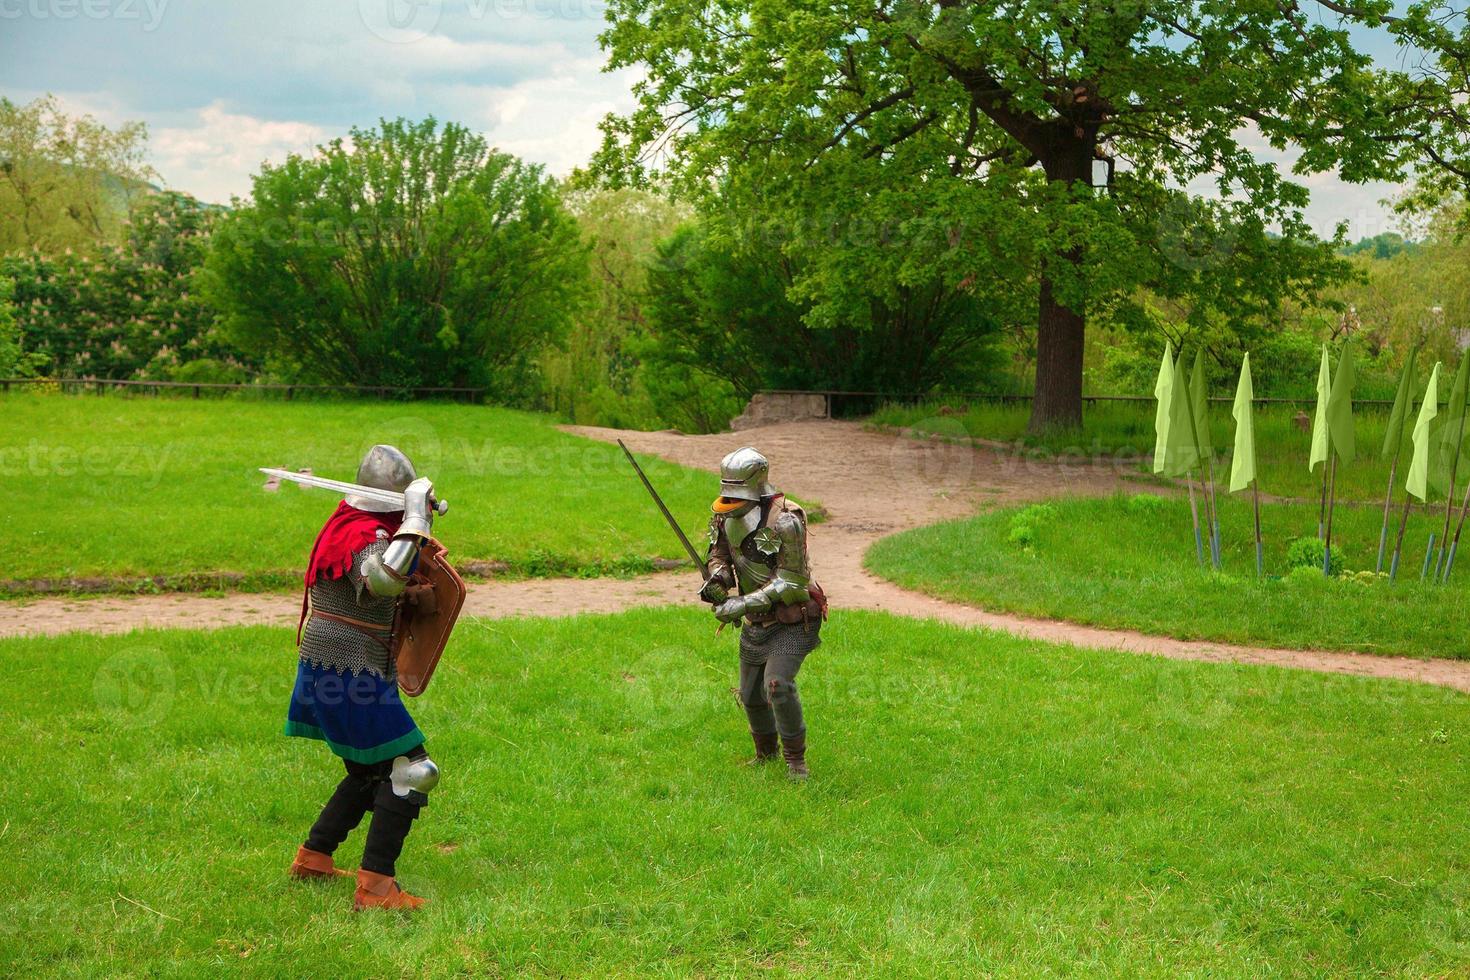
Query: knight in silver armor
(760, 575)
(346, 690)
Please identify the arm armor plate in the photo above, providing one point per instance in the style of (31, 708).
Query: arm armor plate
(793, 570)
(718, 559)
(387, 574)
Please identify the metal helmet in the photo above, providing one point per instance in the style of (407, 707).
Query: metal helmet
(386, 468)
(743, 475)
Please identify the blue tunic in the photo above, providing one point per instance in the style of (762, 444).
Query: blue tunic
(360, 716)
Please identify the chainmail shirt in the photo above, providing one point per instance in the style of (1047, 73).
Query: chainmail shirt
(336, 646)
(758, 643)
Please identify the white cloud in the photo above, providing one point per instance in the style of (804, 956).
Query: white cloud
(213, 157)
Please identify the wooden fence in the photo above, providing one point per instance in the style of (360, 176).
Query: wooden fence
(198, 389)
(845, 403)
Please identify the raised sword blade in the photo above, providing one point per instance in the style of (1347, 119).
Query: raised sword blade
(342, 487)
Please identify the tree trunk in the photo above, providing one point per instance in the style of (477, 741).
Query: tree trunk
(1057, 401)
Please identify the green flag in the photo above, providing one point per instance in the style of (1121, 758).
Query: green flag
(1393, 439)
(1162, 388)
(1452, 422)
(1243, 465)
(1340, 407)
(1181, 452)
(1320, 438)
(1418, 482)
(1199, 392)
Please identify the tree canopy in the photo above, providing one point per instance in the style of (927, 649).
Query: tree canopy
(65, 182)
(971, 131)
(407, 255)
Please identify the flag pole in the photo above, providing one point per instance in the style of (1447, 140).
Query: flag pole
(1387, 506)
(1214, 516)
(1209, 510)
(1449, 561)
(1449, 499)
(1393, 568)
(1199, 548)
(1403, 404)
(1256, 494)
(1331, 506)
(1322, 512)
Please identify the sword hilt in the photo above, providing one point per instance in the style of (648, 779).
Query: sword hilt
(440, 507)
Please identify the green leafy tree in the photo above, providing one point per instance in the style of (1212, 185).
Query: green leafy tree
(408, 255)
(1418, 295)
(129, 310)
(973, 131)
(14, 361)
(726, 321)
(594, 376)
(66, 182)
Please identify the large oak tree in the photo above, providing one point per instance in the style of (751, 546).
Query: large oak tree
(988, 119)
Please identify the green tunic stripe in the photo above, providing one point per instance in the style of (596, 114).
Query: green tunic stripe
(377, 753)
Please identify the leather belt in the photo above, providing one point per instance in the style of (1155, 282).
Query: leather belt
(372, 630)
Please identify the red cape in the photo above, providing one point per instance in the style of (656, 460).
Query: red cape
(346, 532)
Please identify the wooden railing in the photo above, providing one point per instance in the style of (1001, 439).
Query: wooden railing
(199, 388)
(872, 399)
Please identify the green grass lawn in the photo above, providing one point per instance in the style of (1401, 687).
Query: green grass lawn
(1112, 430)
(1130, 562)
(122, 487)
(980, 804)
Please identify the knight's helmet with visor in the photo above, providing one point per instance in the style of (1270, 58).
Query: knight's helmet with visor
(744, 480)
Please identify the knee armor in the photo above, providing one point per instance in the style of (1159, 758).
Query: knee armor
(413, 775)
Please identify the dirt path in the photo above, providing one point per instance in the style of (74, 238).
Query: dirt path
(872, 485)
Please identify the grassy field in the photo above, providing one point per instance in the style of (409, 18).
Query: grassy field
(980, 804)
(123, 487)
(1130, 562)
(1112, 430)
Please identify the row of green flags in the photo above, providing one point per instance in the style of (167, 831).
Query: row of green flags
(1183, 448)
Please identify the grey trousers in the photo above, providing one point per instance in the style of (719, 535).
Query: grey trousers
(770, 657)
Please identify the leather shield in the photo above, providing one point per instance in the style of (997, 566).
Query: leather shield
(426, 616)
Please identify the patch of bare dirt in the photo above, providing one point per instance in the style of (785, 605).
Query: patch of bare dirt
(872, 484)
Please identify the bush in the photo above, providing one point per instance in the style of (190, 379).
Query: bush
(14, 362)
(208, 370)
(128, 311)
(1309, 552)
(1025, 522)
(406, 255)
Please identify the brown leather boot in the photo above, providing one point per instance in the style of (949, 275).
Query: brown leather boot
(767, 747)
(315, 864)
(375, 891)
(794, 750)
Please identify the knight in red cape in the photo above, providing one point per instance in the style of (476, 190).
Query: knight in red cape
(346, 693)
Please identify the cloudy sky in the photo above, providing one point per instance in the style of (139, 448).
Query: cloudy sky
(226, 84)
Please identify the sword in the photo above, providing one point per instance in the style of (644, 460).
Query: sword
(683, 539)
(372, 493)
